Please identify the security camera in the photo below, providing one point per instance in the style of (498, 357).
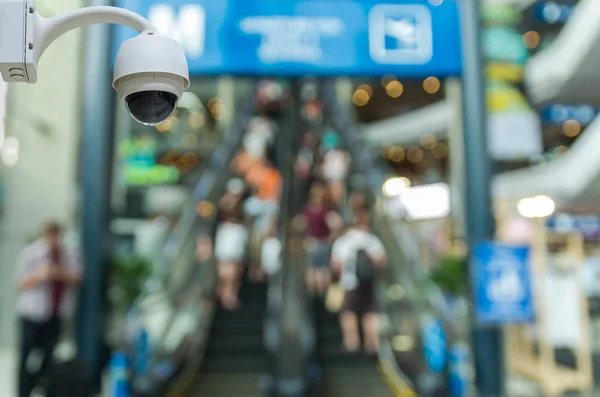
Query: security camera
(150, 75)
(150, 71)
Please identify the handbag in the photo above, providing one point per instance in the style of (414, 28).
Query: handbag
(334, 300)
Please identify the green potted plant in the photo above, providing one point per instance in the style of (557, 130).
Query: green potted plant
(128, 274)
(451, 274)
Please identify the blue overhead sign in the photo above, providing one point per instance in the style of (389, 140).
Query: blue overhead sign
(308, 37)
(502, 283)
(587, 225)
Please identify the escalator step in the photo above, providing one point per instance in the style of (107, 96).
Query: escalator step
(357, 392)
(241, 329)
(225, 385)
(233, 363)
(330, 335)
(240, 345)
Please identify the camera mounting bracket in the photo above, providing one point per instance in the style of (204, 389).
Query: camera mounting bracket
(25, 35)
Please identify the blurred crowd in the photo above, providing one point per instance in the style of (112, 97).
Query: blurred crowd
(343, 256)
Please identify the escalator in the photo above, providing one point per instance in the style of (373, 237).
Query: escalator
(200, 349)
(410, 306)
(344, 374)
(234, 359)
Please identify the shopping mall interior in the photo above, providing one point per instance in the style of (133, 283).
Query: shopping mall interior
(351, 198)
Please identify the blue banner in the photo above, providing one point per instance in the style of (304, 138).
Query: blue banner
(308, 37)
(502, 283)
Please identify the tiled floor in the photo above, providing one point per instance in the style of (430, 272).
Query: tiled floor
(7, 372)
(8, 366)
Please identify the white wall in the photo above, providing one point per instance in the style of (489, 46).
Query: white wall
(42, 185)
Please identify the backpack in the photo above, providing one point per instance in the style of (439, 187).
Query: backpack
(365, 268)
(71, 378)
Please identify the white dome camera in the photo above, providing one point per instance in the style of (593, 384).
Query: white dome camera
(150, 72)
(150, 75)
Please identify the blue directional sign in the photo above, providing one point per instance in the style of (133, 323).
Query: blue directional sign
(588, 225)
(559, 113)
(552, 12)
(308, 37)
(502, 283)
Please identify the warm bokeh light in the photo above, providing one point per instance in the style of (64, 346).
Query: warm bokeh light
(536, 207)
(213, 101)
(366, 87)
(396, 154)
(428, 141)
(572, 128)
(385, 80)
(532, 39)
(395, 186)
(196, 120)
(189, 159)
(431, 85)
(218, 111)
(415, 155)
(561, 149)
(394, 88)
(166, 126)
(439, 151)
(360, 97)
(384, 150)
(204, 209)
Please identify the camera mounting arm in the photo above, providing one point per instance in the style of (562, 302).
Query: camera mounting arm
(49, 29)
(26, 35)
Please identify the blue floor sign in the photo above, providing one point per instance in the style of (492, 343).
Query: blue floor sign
(502, 283)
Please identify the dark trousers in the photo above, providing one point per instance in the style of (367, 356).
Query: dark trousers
(36, 335)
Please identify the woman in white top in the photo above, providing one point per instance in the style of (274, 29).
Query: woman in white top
(230, 251)
(258, 138)
(336, 164)
(360, 305)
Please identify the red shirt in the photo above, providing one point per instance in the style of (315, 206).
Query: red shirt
(316, 221)
(57, 289)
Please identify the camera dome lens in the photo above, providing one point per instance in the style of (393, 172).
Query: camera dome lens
(151, 107)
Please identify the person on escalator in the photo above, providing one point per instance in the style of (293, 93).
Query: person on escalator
(259, 137)
(356, 258)
(318, 219)
(336, 164)
(230, 249)
(263, 206)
